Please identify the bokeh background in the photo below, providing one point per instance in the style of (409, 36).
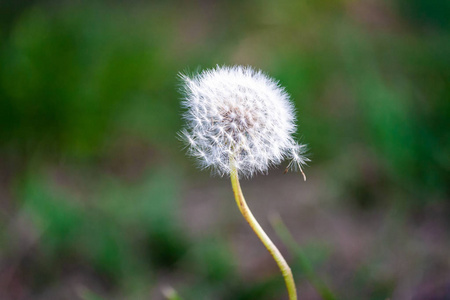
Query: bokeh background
(99, 201)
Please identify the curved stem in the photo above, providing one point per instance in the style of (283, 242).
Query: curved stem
(281, 262)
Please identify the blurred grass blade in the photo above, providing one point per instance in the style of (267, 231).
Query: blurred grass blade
(87, 294)
(170, 293)
(286, 237)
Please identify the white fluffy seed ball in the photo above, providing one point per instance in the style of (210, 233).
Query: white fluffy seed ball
(238, 115)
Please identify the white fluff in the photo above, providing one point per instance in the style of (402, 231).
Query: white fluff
(241, 113)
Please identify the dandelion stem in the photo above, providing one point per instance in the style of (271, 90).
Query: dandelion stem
(245, 210)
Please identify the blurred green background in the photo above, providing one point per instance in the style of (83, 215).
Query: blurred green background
(99, 201)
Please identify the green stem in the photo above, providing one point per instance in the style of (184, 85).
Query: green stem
(281, 262)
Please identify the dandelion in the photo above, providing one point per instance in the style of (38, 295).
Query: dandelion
(240, 122)
(241, 114)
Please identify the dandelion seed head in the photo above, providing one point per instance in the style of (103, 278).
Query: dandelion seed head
(241, 114)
